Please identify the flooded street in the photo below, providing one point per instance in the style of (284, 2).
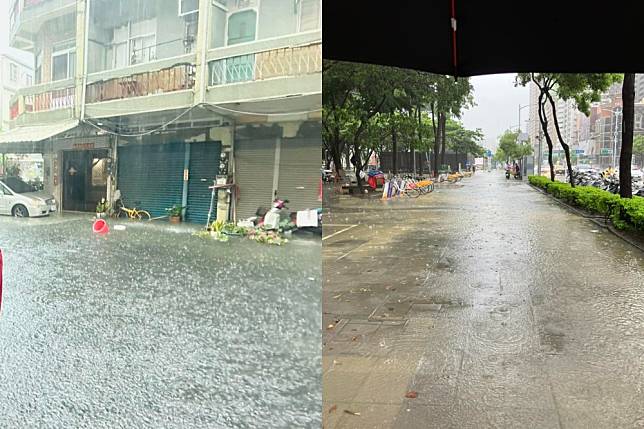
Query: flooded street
(483, 304)
(152, 327)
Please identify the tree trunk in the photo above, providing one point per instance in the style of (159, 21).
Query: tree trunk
(442, 119)
(348, 156)
(566, 148)
(394, 150)
(543, 118)
(420, 138)
(626, 154)
(436, 143)
(356, 160)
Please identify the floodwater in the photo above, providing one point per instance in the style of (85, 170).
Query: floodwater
(492, 304)
(152, 327)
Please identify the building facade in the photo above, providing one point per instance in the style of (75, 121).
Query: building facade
(15, 73)
(159, 98)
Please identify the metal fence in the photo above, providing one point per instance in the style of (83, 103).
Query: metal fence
(292, 61)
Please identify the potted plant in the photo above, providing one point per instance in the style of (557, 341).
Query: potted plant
(101, 209)
(174, 213)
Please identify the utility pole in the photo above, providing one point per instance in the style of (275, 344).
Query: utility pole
(617, 114)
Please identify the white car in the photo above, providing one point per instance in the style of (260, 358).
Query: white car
(20, 199)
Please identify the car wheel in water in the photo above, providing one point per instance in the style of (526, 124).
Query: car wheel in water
(20, 211)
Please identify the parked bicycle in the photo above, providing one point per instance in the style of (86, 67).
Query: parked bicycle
(121, 211)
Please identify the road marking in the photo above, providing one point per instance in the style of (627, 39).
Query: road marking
(351, 251)
(338, 232)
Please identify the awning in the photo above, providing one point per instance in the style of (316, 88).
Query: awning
(36, 133)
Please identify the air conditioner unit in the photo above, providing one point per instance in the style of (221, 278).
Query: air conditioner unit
(188, 7)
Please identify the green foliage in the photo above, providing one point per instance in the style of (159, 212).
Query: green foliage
(363, 105)
(626, 213)
(103, 206)
(510, 149)
(638, 145)
(584, 88)
(175, 210)
(462, 140)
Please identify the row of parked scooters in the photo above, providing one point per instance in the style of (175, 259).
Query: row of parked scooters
(607, 182)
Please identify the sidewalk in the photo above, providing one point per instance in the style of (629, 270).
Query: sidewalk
(428, 296)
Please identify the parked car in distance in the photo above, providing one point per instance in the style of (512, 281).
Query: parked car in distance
(20, 199)
(636, 172)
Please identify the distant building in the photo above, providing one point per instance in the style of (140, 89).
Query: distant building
(15, 74)
(639, 88)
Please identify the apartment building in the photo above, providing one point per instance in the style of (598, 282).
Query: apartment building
(158, 99)
(15, 72)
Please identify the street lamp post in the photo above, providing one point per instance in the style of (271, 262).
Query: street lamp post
(521, 108)
(617, 115)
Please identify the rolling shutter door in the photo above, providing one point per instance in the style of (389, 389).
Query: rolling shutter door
(254, 166)
(299, 173)
(204, 167)
(151, 176)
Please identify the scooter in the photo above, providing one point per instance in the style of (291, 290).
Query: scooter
(507, 174)
(271, 219)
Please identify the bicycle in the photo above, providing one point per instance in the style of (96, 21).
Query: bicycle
(404, 187)
(131, 213)
(425, 186)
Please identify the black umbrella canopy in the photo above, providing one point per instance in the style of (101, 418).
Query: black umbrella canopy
(486, 37)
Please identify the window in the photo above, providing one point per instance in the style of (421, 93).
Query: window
(28, 80)
(241, 27)
(188, 6)
(63, 61)
(134, 43)
(309, 15)
(13, 72)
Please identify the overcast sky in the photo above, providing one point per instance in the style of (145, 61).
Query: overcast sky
(497, 106)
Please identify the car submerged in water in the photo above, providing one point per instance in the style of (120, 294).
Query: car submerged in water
(20, 199)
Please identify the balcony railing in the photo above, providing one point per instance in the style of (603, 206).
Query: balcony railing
(51, 100)
(174, 78)
(273, 63)
(45, 97)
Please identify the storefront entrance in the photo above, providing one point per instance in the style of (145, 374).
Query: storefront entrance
(85, 174)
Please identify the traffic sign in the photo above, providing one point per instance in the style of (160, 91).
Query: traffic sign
(606, 151)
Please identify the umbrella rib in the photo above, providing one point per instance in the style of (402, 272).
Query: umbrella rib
(453, 23)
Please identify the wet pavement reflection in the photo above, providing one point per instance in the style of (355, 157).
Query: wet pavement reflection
(152, 327)
(483, 304)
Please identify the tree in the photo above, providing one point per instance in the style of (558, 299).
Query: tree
(352, 95)
(583, 88)
(462, 140)
(510, 149)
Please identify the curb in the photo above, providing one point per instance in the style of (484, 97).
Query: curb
(595, 219)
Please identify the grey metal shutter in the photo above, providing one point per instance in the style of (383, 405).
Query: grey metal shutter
(204, 167)
(150, 177)
(299, 173)
(254, 166)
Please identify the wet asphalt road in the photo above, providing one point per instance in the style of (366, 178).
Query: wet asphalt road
(497, 306)
(154, 328)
